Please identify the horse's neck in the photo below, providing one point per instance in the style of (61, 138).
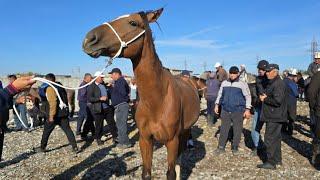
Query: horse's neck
(149, 72)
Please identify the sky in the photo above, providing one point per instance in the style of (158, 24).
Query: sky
(46, 36)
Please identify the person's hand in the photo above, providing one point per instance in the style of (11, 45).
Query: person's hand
(22, 99)
(262, 97)
(216, 109)
(247, 114)
(103, 98)
(23, 82)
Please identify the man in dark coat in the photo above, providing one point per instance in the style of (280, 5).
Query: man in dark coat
(261, 84)
(274, 111)
(98, 97)
(314, 104)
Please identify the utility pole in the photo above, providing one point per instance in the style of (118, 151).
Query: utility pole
(205, 66)
(314, 48)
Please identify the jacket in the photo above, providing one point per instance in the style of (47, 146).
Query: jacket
(213, 86)
(93, 97)
(6, 96)
(274, 106)
(120, 92)
(234, 96)
(313, 69)
(261, 84)
(82, 93)
(54, 110)
(314, 94)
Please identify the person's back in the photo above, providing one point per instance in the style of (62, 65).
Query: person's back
(213, 86)
(120, 92)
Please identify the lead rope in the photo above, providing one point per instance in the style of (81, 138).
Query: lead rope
(109, 63)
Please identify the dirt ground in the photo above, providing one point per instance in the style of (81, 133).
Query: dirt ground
(108, 162)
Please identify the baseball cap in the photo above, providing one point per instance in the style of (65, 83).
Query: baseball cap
(271, 67)
(234, 70)
(115, 70)
(98, 73)
(262, 64)
(217, 65)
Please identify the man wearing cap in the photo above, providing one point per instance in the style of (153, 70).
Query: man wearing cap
(98, 97)
(213, 86)
(261, 84)
(235, 101)
(292, 96)
(82, 99)
(314, 104)
(314, 67)
(243, 73)
(120, 100)
(57, 116)
(185, 75)
(221, 73)
(273, 113)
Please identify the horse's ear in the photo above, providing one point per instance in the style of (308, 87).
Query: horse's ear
(154, 15)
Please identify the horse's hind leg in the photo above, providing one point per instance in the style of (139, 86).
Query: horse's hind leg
(172, 148)
(182, 147)
(146, 148)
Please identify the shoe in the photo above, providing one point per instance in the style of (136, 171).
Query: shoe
(75, 150)
(235, 151)
(99, 142)
(39, 149)
(78, 133)
(84, 137)
(254, 152)
(266, 166)
(124, 146)
(219, 151)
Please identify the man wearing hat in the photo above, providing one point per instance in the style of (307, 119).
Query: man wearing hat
(292, 95)
(273, 113)
(235, 101)
(98, 96)
(261, 84)
(120, 101)
(221, 73)
(213, 86)
(314, 67)
(314, 104)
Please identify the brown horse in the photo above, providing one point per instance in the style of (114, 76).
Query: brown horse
(168, 106)
(200, 84)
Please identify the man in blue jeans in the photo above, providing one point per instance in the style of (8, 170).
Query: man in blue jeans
(82, 98)
(261, 83)
(120, 98)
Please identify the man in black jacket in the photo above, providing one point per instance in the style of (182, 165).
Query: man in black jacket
(314, 104)
(120, 98)
(261, 84)
(56, 116)
(98, 97)
(6, 96)
(274, 111)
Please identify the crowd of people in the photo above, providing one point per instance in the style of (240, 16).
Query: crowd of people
(270, 100)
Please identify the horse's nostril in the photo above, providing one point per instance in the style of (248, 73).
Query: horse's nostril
(90, 40)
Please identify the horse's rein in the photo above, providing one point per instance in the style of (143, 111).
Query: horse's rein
(62, 105)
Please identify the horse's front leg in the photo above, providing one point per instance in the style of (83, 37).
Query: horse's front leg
(146, 148)
(172, 148)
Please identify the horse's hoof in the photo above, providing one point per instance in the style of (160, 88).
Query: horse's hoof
(171, 175)
(146, 176)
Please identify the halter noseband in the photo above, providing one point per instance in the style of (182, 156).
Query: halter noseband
(122, 43)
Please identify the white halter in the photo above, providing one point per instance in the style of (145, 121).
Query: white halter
(50, 83)
(122, 43)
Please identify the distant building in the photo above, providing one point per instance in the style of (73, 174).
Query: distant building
(177, 71)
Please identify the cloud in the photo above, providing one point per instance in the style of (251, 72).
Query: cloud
(189, 40)
(195, 43)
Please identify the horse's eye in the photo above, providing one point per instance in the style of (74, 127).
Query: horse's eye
(133, 23)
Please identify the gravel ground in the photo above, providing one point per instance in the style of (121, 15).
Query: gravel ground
(108, 162)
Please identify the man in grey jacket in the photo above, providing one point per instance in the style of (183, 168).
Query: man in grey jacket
(235, 101)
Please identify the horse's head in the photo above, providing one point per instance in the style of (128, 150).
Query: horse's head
(122, 37)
